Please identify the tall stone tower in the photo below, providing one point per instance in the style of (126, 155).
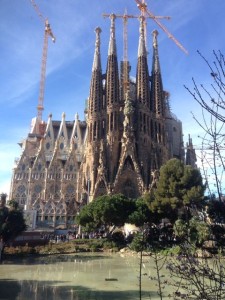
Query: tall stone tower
(127, 138)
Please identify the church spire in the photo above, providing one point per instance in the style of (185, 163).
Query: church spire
(96, 91)
(143, 87)
(113, 104)
(112, 73)
(97, 56)
(142, 47)
(112, 41)
(157, 93)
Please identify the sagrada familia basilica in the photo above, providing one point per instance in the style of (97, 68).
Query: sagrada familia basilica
(128, 133)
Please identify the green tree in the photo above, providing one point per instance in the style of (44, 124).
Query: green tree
(178, 186)
(106, 211)
(12, 222)
(195, 231)
(141, 214)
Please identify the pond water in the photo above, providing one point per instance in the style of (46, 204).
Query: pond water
(95, 276)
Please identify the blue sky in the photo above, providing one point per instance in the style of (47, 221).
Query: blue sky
(196, 24)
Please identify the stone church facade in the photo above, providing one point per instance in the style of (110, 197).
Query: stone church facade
(128, 134)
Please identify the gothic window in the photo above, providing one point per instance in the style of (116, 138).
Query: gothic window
(21, 189)
(17, 198)
(111, 121)
(21, 196)
(37, 188)
(70, 189)
(23, 199)
(39, 167)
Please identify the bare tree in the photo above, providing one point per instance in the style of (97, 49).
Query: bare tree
(212, 123)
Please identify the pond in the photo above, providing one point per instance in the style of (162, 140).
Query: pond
(95, 276)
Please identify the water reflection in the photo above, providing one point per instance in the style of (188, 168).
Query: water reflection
(78, 277)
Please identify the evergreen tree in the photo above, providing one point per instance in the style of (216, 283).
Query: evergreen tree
(179, 188)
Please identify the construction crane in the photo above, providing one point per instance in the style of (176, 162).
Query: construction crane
(47, 33)
(125, 18)
(145, 12)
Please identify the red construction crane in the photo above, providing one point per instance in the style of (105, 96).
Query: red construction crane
(47, 33)
(145, 12)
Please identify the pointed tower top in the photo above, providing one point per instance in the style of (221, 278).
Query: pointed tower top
(142, 47)
(63, 115)
(155, 42)
(156, 65)
(97, 60)
(112, 41)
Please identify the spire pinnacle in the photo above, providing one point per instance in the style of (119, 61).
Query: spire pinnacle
(142, 47)
(155, 42)
(112, 41)
(156, 66)
(97, 60)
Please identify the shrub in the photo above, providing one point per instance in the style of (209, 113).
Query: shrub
(138, 244)
(118, 238)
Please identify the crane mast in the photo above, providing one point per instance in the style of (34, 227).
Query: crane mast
(47, 33)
